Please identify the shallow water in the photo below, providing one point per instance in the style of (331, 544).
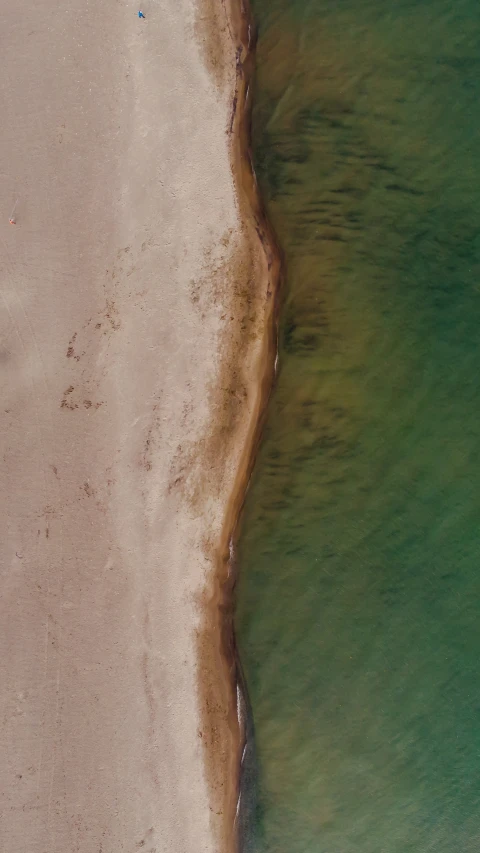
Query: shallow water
(358, 613)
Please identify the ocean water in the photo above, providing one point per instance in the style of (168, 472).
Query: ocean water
(358, 608)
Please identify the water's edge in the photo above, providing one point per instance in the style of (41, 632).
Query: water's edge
(243, 32)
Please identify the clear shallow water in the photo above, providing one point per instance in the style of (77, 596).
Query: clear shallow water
(358, 612)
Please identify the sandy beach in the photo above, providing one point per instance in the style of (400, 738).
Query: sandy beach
(133, 304)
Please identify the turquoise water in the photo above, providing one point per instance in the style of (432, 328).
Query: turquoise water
(358, 612)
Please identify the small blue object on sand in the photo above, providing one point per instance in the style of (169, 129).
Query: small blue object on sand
(141, 15)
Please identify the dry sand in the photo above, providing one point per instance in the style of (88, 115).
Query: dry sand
(124, 421)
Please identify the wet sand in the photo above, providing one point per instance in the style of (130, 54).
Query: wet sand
(134, 297)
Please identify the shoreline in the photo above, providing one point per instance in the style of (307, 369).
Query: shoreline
(242, 31)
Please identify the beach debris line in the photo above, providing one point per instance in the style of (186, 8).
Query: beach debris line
(11, 218)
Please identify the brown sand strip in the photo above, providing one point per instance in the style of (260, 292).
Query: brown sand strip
(249, 370)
